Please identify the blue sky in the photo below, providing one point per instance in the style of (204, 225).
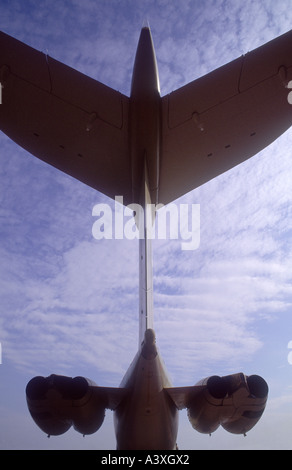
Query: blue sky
(69, 303)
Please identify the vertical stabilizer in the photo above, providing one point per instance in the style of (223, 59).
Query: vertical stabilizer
(145, 135)
(146, 220)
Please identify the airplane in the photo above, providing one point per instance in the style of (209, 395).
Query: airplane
(149, 149)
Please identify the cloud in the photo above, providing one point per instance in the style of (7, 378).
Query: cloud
(74, 313)
(69, 304)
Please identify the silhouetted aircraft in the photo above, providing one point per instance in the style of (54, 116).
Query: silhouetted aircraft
(149, 149)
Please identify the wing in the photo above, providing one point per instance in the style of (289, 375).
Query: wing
(112, 396)
(182, 396)
(225, 117)
(65, 118)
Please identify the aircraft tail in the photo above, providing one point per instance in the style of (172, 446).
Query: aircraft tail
(145, 224)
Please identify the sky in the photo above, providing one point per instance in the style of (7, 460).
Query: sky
(69, 302)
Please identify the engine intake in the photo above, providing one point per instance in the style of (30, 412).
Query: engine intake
(234, 401)
(57, 402)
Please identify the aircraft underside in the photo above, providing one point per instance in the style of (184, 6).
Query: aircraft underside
(151, 150)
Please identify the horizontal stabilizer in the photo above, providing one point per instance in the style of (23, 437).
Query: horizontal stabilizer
(74, 123)
(220, 120)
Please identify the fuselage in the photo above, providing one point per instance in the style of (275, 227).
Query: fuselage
(147, 419)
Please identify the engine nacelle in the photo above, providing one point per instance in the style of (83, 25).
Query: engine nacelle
(234, 401)
(57, 402)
